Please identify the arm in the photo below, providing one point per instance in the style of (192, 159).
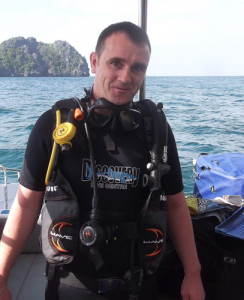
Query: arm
(20, 223)
(181, 232)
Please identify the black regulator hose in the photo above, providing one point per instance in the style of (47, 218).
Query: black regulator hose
(93, 166)
(92, 233)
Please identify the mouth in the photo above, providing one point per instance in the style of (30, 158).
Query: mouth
(121, 95)
(121, 89)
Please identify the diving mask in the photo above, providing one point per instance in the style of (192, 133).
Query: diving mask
(103, 113)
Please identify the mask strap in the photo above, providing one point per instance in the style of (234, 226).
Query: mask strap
(110, 142)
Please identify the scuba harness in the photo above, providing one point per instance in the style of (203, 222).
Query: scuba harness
(61, 222)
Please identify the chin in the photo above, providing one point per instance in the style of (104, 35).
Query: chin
(120, 100)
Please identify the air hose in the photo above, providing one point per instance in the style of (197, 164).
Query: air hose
(54, 150)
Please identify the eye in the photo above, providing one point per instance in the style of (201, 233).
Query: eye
(116, 63)
(139, 68)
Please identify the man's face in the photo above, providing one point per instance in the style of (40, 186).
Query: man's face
(120, 69)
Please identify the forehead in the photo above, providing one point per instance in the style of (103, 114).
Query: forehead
(120, 45)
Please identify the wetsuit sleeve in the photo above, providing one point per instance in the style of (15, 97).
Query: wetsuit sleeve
(172, 182)
(37, 154)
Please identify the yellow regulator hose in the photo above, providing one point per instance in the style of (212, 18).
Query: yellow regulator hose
(54, 150)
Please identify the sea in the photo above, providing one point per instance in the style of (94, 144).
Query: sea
(206, 113)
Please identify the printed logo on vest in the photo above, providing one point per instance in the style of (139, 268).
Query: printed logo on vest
(111, 177)
(52, 188)
(59, 236)
(154, 241)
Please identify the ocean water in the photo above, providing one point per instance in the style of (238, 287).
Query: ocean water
(206, 113)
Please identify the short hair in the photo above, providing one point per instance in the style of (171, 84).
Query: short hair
(136, 34)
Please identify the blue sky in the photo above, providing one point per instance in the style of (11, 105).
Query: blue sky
(188, 37)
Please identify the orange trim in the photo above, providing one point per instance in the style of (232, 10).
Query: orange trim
(78, 114)
(157, 250)
(57, 244)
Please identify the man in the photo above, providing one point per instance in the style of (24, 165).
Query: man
(119, 64)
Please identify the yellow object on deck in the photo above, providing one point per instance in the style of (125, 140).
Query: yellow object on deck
(192, 203)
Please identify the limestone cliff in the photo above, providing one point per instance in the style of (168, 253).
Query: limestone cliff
(27, 57)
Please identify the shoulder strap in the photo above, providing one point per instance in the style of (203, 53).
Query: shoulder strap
(65, 106)
(147, 119)
(150, 110)
(156, 127)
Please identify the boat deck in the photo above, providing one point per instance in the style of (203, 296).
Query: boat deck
(27, 280)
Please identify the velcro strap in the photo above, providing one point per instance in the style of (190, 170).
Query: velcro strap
(93, 284)
(71, 279)
(108, 284)
(126, 230)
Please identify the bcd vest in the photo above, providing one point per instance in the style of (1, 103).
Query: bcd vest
(60, 213)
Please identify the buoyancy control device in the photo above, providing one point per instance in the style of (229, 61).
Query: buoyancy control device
(60, 231)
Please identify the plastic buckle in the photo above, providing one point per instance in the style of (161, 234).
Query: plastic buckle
(50, 271)
(108, 284)
(137, 274)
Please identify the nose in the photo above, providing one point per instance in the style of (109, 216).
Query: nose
(125, 75)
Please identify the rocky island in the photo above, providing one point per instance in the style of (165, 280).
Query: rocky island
(29, 58)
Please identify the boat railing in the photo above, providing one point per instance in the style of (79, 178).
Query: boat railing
(5, 183)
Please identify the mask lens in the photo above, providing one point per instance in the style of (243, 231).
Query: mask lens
(100, 116)
(129, 119)
(103, 112)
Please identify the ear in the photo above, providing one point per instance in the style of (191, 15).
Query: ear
(93, 61)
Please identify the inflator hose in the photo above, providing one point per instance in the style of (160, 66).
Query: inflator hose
(54, 150)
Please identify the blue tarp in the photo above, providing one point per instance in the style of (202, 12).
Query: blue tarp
(233, 226)
(219, 174)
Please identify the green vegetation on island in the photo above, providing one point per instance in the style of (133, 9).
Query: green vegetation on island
(29, 58)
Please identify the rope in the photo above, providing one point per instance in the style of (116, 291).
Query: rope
(5, 185)
(5, 188)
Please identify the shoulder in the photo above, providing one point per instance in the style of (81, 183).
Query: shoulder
(44, 124)
(46, 116)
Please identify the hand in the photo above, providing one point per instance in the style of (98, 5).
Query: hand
(192, 288)
(4, 290)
